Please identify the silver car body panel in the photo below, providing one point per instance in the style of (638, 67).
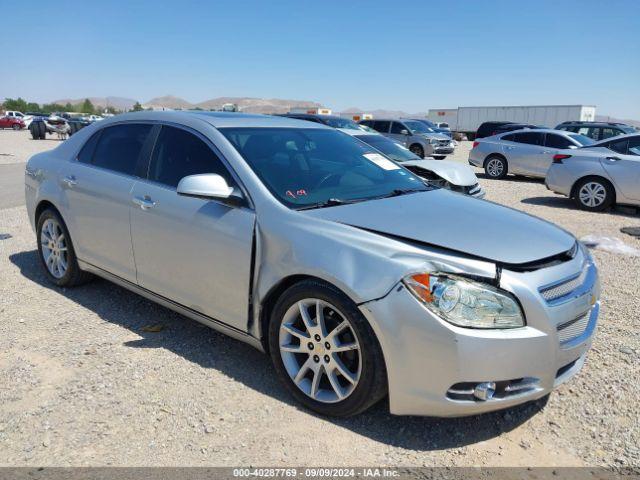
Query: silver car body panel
(364, 249)
(522, 158)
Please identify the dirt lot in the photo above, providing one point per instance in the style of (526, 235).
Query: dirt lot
(83, 383)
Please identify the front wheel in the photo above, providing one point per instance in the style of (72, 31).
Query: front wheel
(16, 126)
(417, 150)
(594, 194)
(325, 351)
(439, 157)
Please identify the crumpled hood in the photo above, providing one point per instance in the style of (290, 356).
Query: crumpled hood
(437, 136)
(456, 222)
(453, 172)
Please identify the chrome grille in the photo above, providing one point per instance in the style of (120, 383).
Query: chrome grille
(559, 290)
(443, 143)
(573, 328)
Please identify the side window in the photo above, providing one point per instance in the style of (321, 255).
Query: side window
(178, 154)
(381, 126)
(509, 138)
(591, 132)
(620, 146)
(397, 127)
(86, 153)
(119, 147)
(367, 123)
(530, 138)
(609, 132)
(634, 146)
(557, 141)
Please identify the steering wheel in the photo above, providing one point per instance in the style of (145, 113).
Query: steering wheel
(326, 179)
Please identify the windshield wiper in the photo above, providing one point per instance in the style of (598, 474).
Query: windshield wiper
(403, 191)
(331, 202)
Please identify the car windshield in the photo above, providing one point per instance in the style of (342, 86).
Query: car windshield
(582, 139)
(390, 148)
(417, 127)
(628, 129)
(342, 123)
(308, 167)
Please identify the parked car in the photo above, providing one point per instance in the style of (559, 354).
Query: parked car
(523, 152)
(443, 125)
(354, 275)
(597, 130)
(432, 126)
(450, 175)
(15, 123)
(26, 119)
(511, 127)
(487, 129)
(414, 135)
(330, 120)
(600, 175)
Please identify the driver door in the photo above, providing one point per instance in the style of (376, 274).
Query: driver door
(195, 252)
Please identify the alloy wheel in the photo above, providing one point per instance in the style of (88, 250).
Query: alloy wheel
(320, 350)
(54, 248)
(592, 194)
(495, 167)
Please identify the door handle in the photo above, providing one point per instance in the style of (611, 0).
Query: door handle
(70, 180)
(145, 203)
(613, 159)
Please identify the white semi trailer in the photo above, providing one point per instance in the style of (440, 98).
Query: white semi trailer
(468, 119)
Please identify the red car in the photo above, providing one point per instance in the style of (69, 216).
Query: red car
(11, 122)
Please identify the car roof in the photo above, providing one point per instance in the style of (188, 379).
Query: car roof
(216, 119)
(596, 124)
(539, 130)
(616, 138)
(353, 133)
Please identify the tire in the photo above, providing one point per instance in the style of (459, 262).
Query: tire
(60, 266)
(35, 131)
(417, 149)
(16, 127)
(42, 129)
(439, 157)
(496, 167)
(360, 355)
(594, 194)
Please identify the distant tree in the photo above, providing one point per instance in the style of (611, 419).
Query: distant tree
(197, 108)
(52, 107)
(137, 107)
(69, 108)
(18, 104)
(87, 107)
(32, 107)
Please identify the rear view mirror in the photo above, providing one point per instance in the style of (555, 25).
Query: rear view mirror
(404, 132)
(208, 186)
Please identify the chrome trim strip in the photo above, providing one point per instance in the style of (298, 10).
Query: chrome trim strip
(587, 285)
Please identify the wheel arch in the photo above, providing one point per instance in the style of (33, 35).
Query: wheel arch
(601, 178)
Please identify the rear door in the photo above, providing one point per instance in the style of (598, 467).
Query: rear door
(524, 155)
(196, 252)
(98, 193)
(623, 166)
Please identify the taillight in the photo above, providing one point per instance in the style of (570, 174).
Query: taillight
(559, 157)
(475, 144)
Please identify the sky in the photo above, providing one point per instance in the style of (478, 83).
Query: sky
(402, 55)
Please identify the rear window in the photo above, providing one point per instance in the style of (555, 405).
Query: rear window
(557, 141)
(381, 126)
(530, 138)
(119, 147)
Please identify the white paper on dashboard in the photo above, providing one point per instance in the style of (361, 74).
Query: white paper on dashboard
(382, 162)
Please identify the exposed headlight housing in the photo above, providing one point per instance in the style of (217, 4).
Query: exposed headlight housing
(465, 303)
(433, 141)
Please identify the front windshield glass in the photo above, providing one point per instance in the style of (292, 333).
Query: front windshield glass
(628, 129)
(306, 167)
(342, 123)
(582, 139)
(417, 127)
(390, 148)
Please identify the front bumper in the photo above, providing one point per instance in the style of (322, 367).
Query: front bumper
(428, 359)
(442, 150)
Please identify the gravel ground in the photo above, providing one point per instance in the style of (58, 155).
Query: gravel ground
(83, 383)
(17, 147)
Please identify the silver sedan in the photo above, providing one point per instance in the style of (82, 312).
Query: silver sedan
(522, 152)
(354, 275)
(597, 177)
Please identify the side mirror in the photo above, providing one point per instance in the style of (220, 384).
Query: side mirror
(404, 131)
(209, 186)
(572, 146)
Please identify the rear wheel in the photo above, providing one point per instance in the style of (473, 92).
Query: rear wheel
(35, 131)
(417, 150)
(325, 351)
(495, 167)
(56, 251)
(16, 126)
(42, 129)
(594, 194)
(439, 157)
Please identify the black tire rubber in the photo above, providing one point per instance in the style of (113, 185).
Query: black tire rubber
(42, 128)
(505, 169)
(35, 131)
(417, 150)
(16, 126)
(608, 201)
(372, 386)
(74, 275)
(439, 157)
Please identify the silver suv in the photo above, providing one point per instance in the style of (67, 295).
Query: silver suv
(414, 135)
